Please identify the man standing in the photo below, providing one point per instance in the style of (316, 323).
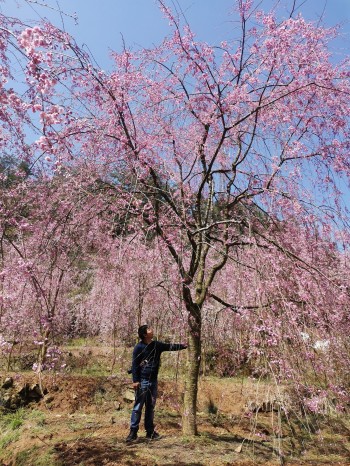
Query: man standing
(145, 366)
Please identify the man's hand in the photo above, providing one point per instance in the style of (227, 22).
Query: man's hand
(135, 385)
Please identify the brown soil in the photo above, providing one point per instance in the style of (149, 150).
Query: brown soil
(86, 421)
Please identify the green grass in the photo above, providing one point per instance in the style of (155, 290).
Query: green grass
(11, 425)
(34, 457)
(79, 342)
(96, 370)
(13, 420)
(7, 438)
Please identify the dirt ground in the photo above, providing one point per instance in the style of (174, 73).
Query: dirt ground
(84, 419)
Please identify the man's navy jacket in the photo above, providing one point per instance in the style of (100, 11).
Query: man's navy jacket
(146, 359)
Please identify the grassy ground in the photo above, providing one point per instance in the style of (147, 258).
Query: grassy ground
(84, 420)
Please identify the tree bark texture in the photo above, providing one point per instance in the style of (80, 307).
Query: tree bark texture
(192, 372)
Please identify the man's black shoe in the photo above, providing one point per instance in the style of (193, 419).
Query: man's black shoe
(131, 437)
(153, 436)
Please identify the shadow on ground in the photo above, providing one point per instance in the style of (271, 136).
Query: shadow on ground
(166, 451)
(90, 451)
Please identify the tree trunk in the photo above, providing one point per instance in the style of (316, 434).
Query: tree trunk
(189, 422)
(42, 358)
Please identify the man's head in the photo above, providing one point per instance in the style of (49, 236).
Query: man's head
(145, 333)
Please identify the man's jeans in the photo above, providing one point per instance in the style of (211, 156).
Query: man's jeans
(146, 395)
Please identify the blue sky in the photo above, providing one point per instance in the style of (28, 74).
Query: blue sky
(102, 23)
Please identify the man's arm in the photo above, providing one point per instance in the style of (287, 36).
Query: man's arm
(170, 346)
(135, 368)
